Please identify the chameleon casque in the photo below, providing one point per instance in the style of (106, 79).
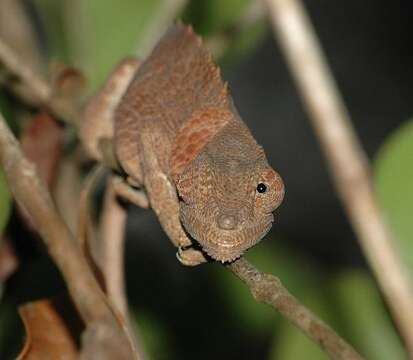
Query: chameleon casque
(180, 140)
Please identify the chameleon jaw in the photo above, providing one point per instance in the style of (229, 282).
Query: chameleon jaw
(226, 247)
(227, 254)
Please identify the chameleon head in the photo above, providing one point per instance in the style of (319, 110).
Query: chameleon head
(226, 203)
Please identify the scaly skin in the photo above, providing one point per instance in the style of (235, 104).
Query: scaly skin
(221, 207)
(179, 136)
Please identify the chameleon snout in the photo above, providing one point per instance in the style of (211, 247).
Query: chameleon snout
(227, 221)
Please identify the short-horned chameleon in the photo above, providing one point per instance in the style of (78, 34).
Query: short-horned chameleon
(180, 140)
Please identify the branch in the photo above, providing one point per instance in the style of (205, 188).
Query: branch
(105, 251)
(268, 289)
(345, 157)
(23, 81)
(111, 256)
(66, 190)
(17, 28)
(32, 195)
(111, 248)
(58, 97)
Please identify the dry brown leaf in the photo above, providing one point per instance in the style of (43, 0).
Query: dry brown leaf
(42, 143)
(48, 335)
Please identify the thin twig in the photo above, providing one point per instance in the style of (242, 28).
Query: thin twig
(105, 251)
(268, 289)
(86, 227)
(16, 27)
(67, 189)
(32, 195)
(111, 256)
(32, 88)
(346, 159)
(29, 87)
(111, 244)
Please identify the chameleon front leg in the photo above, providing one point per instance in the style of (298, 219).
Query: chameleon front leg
(164, 201)
(126, 190)
(99, 113)
(97, 128)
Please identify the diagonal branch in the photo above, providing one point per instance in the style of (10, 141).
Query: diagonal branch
(32, 195)
(268, 289)
(31, 87)
(28, 86)
(345, 157)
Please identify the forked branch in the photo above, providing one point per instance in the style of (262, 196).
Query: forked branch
(29, 86)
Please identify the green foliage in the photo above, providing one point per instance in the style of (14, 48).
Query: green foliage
(218, 19)
(368, 327)
(153, 335)
(245, 42)
(105, 31)
(352, 306)
(51, 14)
(95, 34)
(209, 16)
(394, 181)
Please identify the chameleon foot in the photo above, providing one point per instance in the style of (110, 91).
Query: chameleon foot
(126, 191)
(190, 257)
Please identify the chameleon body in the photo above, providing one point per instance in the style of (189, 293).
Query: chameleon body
(178, 136)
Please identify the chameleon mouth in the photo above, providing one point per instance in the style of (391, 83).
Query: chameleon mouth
(227, 246)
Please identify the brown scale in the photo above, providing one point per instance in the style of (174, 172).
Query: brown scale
(178, 79)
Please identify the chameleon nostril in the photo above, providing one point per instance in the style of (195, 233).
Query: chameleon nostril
(227, 222)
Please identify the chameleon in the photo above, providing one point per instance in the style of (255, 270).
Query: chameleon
(185, 150)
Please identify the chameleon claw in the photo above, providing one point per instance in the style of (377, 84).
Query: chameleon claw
(190, 256)
(133, 195)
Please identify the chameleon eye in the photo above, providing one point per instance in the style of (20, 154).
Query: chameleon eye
(261, 188)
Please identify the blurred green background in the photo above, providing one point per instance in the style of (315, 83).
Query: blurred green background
(204, 312)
